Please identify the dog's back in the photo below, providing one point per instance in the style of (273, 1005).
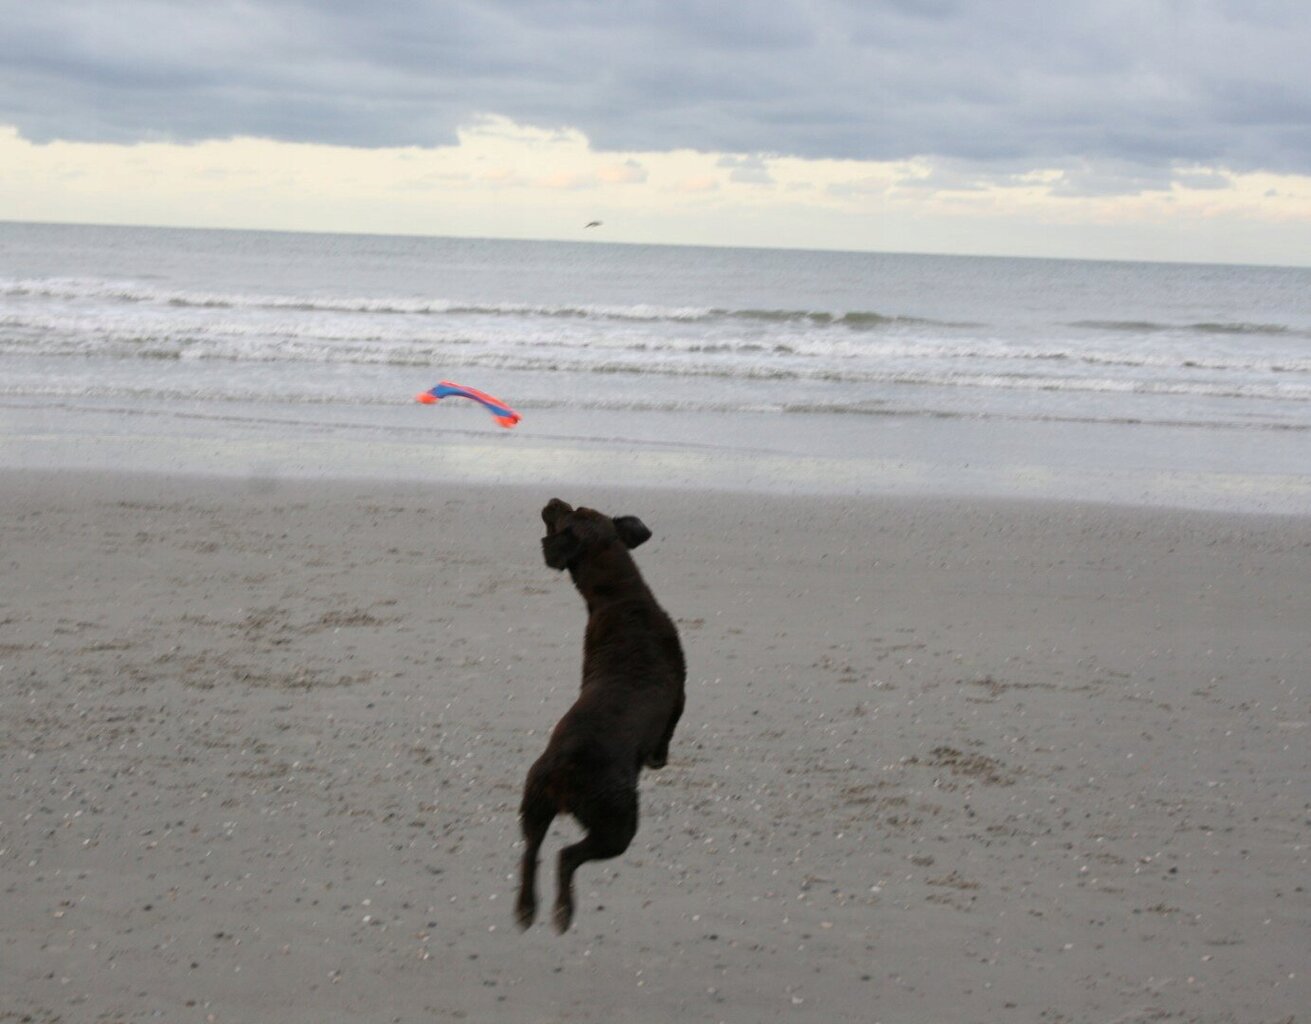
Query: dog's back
(633, 670)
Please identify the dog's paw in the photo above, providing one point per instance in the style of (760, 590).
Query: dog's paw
(524, 914)
(564, 916)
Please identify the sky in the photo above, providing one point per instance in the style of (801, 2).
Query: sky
(1122, 129)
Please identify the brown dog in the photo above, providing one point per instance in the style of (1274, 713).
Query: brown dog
(632, 696)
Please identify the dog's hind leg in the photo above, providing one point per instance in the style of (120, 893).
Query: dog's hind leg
(610, 828)
(535, 816)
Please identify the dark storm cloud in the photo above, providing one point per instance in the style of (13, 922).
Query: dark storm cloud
(1151, 83)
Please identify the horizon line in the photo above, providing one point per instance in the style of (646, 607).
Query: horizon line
(593, 240)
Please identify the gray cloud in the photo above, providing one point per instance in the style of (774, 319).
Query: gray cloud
(1144, 84)
(748, 170)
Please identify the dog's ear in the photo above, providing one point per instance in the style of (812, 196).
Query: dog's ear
(632, 531)
(559, 549)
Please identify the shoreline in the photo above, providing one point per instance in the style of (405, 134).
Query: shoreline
(800, 454)
(264, 480)
(944, 759)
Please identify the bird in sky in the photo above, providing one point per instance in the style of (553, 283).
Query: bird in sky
(592, 224)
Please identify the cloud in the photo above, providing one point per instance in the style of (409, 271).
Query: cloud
(630, 172)
(858, 188)
(1091, 178)
(947, 178)
(491, 186)
(1203, 178)
(1004, 86)
(747, 170)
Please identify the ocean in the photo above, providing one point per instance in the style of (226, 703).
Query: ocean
(263, 354)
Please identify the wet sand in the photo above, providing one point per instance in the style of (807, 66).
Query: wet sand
(261, 746)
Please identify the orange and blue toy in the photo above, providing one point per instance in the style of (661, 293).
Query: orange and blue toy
(501, 412)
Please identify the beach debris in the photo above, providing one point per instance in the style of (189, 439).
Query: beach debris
(501, 412)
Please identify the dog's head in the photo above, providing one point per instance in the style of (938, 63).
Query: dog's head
(573, 534)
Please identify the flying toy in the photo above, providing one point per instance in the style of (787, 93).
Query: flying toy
(501, 412)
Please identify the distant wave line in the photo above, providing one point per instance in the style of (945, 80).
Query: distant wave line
(75, 289)
(1203, 327)
(853, 320)
(994, 380)
(46, 336)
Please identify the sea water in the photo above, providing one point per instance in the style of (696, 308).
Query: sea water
(265, 353)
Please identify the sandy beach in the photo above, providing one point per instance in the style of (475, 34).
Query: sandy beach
(261, 746)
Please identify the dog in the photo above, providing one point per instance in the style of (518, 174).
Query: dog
(631, 699)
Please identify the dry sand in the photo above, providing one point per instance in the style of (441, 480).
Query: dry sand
(942, 761)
